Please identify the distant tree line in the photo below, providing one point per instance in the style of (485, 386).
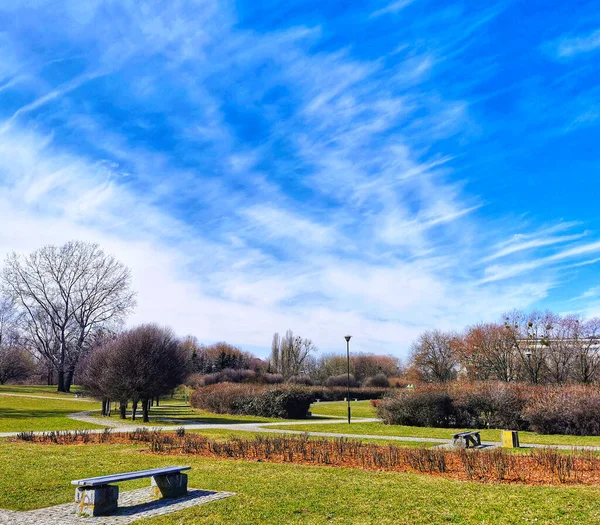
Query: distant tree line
(536, 347)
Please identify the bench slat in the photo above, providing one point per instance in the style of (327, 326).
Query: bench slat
(127, 476)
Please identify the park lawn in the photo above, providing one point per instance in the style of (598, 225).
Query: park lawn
(380, 429)
(30, 413)
(180, 414)
(286, 493)
(340, 409)
(38, 390)
(225, 434)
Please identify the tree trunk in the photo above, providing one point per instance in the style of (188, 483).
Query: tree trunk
(123, 409)
(133, 410)
(69, 380)
(146, 410)
(61, 381)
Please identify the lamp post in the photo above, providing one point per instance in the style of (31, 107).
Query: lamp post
(528, 355)
(348, 337)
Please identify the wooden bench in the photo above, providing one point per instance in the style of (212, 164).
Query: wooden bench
(97, 497)
(467, 439)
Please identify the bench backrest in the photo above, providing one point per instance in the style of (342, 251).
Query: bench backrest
(127, 476)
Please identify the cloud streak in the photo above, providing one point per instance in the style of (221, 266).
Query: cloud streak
(257, 178)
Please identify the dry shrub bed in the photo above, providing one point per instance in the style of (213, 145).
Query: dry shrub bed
(539, 467)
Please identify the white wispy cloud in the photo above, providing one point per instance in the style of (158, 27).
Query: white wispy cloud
(258, 182)
(572, 46)
(391, 8)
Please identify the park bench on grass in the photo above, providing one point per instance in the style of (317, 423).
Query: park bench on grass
(97, 497)
(467, 439)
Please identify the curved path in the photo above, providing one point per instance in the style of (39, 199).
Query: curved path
(271, 428)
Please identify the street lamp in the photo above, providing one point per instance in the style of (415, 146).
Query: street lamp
(528, 355)
(348, 337)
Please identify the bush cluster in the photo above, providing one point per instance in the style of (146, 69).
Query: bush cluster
(572, 409)
(282, 401)
(480, 405)
(255, 400)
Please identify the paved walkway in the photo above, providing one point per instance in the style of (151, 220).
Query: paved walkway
(133, 505)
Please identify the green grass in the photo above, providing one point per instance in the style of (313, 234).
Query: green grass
(340, 409)
(224, 434)
(379, 429)
(179, 414)
(37, 390)
(29, 413)
(276, 494)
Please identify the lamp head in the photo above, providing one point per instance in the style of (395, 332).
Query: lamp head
(347, 337)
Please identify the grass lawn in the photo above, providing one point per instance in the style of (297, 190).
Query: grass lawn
(178, 414)
(274, 493)
(379, 429)
(37, 390)
(30, 413)
(340, 409)
(224, 434)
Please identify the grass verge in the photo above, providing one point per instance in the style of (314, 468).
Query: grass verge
(340, 409)
(30, 413)
(282, 493)
(379, 429)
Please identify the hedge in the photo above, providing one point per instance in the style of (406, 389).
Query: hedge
(254, 400)
(569, 409)
(280, 401)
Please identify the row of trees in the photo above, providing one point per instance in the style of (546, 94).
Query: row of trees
(538, 347)
(59, 302)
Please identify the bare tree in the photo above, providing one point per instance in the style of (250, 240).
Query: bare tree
(435, 355)
(586, 350)
(487, 352)
(8, 321)
(563, 333)
(66, 295)
(290, 354)
(530, 334)
(16, 364)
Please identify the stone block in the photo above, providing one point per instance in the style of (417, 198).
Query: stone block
(97, 501)
(169, 486)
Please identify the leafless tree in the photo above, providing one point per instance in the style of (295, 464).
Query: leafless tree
(586, 358)
(487, 352)
(563, 334)
(289, 354)
(16, 364)
(67, 294)
(435, 355)
(530, 334)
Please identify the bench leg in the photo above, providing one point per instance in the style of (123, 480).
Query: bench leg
(97, 501)
(169, 486)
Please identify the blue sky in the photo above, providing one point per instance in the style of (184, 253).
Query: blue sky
(377, 168)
